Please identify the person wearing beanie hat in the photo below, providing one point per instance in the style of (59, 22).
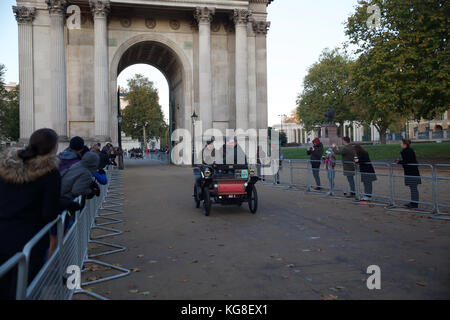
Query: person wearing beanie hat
(76, 143)
(316, 154)
(72, 154)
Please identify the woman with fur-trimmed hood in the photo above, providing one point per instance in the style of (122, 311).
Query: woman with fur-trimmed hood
(30, 186)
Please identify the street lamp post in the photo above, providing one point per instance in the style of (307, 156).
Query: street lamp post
(194, 118)
(119, 129)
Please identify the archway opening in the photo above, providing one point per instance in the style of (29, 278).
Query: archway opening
(160, 83)
(166, 57)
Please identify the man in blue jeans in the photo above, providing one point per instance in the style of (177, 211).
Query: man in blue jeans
(348, 163)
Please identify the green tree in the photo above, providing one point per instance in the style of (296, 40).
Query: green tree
(326, 86)
(143, 113)
(374, 98)
(404, 62)
(9, 110)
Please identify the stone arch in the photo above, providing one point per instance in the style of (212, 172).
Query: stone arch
(187, 107)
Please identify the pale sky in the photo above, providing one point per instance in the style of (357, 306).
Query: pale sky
(300, 30)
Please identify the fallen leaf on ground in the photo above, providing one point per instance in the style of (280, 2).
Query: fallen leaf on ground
(145, 293)
(135, 269)
(140, 256)
(133, 291)
(422, 284)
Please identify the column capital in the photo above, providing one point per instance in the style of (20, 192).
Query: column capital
(261, 27)
(241, 16)
(24, 14)
(100, 8)
(204, 14)
(57, 6)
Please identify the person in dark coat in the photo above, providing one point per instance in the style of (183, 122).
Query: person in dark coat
(412, 174)
(368, 175)
(30, 186)
(104, 157)
(316, 153)
(348, 155)
(232, 152)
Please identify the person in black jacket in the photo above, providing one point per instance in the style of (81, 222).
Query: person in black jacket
(367, 171)
(316, 153)
(30, 186)
(412, 174)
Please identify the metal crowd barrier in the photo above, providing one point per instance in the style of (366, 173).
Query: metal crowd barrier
(50, 283)
(388, 184)
(442, 196)
(380, 182)
(401, 188)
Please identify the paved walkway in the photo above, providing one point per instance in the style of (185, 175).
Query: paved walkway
(296, 247)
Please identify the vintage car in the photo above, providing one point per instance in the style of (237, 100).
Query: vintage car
(226, 185)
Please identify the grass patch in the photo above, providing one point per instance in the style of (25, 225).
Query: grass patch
(425, 151)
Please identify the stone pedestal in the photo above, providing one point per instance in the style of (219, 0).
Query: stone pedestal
(329, 135)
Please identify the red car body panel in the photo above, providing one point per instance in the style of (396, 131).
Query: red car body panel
(230, 187)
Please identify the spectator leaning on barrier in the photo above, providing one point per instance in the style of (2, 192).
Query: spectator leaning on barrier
(348, 155)
(367, 171)
(76, 181)
(412, 174)
(72, 154)
(104, 158)
(316, 153)
(30, 186)
(330, 163)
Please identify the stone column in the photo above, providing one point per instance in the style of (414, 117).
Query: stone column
(204, 17)
(57, 10)
(25, 17)
(100, 10)
(240, 17)
(261, 28)
(252, 111)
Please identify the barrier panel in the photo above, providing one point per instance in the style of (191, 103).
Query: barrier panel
(407, 189)
(300, 174)
(283, 176)
(263, 168)
(374, 188)
(318, 177)
(442, 183)
(341, 186)
(50, 282)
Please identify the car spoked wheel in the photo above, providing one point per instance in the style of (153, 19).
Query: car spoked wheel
(206, 201)
(197, 196)
(253, 200)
